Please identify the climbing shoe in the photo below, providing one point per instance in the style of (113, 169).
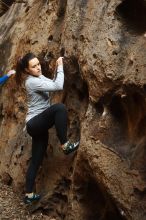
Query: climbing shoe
(70, 147)
(34, 198)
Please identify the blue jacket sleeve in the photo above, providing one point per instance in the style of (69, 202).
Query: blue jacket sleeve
(3, 79)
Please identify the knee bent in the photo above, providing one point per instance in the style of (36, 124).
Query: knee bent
(61, 107)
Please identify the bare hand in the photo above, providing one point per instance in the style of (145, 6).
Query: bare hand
(59, 61)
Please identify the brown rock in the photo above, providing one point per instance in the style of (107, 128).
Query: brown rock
(104, 47)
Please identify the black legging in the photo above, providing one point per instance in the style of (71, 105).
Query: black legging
(37, 128)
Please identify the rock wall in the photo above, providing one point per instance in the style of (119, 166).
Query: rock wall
(104, 47)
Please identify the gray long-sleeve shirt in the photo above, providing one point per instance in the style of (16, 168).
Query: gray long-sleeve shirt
(38, 89)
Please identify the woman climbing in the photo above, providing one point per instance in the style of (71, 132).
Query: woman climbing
(42, 115)
(4, 78)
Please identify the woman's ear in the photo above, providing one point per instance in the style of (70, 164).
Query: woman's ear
(26, 70)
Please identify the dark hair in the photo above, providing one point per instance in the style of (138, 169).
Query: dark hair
(21, 66)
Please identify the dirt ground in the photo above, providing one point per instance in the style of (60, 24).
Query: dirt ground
(12, 206)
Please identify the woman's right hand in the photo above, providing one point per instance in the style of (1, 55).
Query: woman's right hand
(59, 61)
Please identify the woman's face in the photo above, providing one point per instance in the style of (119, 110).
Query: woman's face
(34, 67)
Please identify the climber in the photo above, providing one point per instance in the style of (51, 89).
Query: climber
(42, 115)
(4, 78)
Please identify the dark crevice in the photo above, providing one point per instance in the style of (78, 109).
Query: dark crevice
(93, 198)
(76, 95)
(116, 108)
(50, 38)
(133, 15)
(61, 8)
(6, 179)
(99, 107)
(5, 5)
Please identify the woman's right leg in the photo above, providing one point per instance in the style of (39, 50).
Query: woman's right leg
(57, 115)
(54, 115)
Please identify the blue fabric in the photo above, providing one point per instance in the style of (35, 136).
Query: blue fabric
(3, 79)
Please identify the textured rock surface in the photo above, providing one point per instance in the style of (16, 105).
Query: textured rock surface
(105, 96)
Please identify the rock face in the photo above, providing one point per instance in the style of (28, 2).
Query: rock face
(104, 47)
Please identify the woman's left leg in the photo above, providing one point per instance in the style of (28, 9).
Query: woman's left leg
(39, 146)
